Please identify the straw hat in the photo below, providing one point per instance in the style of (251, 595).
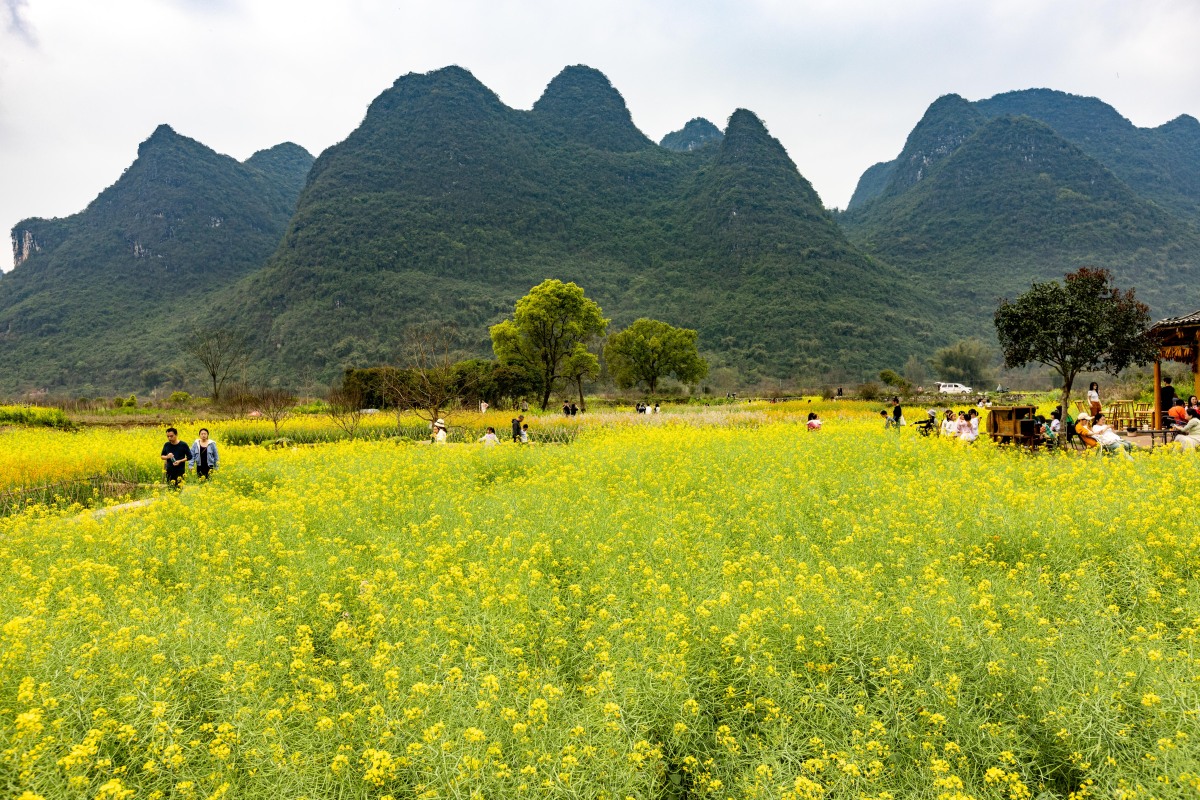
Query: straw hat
(440, 424)
(1084, 415)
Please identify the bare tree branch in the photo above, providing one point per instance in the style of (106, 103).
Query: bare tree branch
(220, 351)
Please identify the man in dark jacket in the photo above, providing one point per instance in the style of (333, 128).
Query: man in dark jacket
(175, 457)
(516, 428)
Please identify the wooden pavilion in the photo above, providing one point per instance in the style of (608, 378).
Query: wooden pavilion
(1178, 340)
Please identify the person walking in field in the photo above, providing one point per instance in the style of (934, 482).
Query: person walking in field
(525, 433)
(175, 457)
(204, 454)
(516, 427)
(489, 439)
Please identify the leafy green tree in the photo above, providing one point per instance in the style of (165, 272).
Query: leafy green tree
(581, 365)
(965, 361)
(891, 378)
(548, 326)
(1082, 324)
(914, 371)
(649, 350)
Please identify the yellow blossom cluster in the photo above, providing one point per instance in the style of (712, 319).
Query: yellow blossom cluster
(703, 605)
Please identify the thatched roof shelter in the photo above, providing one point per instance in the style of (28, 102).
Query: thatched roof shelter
(1178, 340)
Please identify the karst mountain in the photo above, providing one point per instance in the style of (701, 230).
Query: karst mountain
(446, 205)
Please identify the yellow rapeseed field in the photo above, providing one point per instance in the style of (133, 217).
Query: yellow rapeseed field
(717, 604)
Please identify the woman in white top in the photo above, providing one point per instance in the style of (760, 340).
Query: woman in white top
(1094, 398)
(439, 432)
(950, 424)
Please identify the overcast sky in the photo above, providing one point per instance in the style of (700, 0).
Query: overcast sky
(839, 82)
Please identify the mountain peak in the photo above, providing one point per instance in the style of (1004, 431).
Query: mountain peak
(164, 135)
(752, 185)
(1071, 115)
(286, 163)
(748, 141)
(452, 89)
(692, 136)
(582, 105)
(946, 124)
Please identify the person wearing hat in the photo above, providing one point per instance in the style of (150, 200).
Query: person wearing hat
(439, 432)
(1083, 427)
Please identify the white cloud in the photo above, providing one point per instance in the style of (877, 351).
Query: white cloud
(839, 82)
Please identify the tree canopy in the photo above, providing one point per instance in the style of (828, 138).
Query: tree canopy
(649, 350)
(548, 328)
(1082, 324)
(965, 361)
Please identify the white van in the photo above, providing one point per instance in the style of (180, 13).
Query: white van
(953, 388)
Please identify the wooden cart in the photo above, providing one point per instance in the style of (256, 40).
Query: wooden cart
(1013, 424)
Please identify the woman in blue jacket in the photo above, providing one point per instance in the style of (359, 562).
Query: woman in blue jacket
(204, 454)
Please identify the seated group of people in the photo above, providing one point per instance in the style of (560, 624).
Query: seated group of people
(1096, 432)
(963, 425)
(1185, 421)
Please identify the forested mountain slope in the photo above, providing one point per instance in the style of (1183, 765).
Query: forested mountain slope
(445, 204)
(1013, 202)
(101, 299)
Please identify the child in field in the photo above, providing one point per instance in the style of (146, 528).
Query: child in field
(966, 432)
(950, 424)
(814, 422)
(525, 433)
(439, 432)
(489, 439)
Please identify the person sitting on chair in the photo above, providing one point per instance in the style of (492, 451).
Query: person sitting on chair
(1108, 439)
(1188, 434)
(1083, 429)
(1178, 412)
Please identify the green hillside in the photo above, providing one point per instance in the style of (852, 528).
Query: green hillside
(447, 205)
(947, 123)
(1017, 202)
(1162, 164)
(99, 300)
